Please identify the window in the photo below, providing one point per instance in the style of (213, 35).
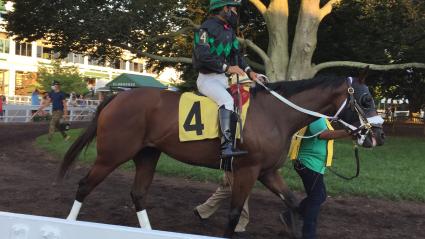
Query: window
(2, 84)
(119, 64)
(45, 52)
(137, 67)
(4, 45)
(75, 58)
(23, 49)
(95, 62)
(24, 82)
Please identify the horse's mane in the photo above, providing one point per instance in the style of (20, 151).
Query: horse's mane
(289, 88)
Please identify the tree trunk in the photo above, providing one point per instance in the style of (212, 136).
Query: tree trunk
(305, 41)
(276, 18)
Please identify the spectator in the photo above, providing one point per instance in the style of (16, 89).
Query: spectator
(81, 101)
(72, 101)
(59, 110)
(35, 97)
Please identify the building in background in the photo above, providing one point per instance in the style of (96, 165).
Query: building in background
(19, 65)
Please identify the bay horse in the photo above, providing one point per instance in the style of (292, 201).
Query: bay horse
(140, 124)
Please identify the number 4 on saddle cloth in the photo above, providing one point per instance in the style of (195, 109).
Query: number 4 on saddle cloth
(198, 115)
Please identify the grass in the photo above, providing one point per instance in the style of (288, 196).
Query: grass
(394, 171)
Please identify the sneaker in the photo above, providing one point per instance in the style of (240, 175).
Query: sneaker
(67, 138)
(195, 211)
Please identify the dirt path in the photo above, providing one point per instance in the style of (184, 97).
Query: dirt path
(26, 186)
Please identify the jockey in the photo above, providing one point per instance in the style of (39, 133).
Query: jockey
(217, 53)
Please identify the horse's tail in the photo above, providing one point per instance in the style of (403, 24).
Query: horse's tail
(83, 140)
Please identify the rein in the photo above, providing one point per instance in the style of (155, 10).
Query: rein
(357, 159)
(351, 101)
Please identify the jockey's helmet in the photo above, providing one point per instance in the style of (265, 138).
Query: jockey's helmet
(214, 4)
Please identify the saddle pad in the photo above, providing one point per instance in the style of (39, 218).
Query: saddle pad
(198, 117)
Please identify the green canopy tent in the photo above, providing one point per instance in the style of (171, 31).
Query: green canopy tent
(134, 81)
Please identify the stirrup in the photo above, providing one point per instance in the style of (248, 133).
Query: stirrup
(228, 151)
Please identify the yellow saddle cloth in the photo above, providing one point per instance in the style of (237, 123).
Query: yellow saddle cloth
(198, 118)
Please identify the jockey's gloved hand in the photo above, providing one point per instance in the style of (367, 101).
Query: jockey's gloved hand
(264, 79)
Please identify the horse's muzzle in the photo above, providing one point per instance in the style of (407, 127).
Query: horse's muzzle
(379, 135)
(375, 137)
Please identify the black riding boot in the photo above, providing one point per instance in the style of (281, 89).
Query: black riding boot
(228, 129)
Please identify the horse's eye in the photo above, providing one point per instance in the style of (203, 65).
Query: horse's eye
(367, 101)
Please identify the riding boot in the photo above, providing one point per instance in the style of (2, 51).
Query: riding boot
(227, 123)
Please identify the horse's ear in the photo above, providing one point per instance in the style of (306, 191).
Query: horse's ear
(363, 74)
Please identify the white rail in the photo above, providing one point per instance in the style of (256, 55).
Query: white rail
(26, 100)
(19, 226)
(24, 113)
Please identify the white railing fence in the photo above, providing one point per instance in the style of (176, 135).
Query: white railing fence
(27, 113)
(19, 226)
(26, 100)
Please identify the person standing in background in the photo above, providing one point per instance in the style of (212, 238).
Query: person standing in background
(35, 100)
(59, 110)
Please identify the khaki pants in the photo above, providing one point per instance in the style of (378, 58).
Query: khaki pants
(224, 193)
(54, 124)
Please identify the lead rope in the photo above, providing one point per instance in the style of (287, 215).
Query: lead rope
(357, 160)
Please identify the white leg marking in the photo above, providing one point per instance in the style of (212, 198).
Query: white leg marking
(74, 211)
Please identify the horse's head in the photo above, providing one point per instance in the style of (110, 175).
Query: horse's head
(361, 112)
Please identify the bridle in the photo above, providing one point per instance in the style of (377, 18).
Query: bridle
(362, 131)
(365, 125)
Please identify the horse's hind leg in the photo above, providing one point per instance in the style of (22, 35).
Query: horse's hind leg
(100, 170)
(145, 161)
(275, 183)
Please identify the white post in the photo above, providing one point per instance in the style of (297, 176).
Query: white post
(28, 115)
(6, 114)
(127, 65)
(34, 50)
(144, 220)
(12, 81)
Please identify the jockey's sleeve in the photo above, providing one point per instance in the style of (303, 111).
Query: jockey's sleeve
(203, 56)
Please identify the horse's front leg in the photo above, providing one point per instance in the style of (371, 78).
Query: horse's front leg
(243, 181)
(275, 183)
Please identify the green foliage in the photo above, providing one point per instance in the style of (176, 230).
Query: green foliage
(381, 32)
(392, 171)
(69, 77)
(376, 31)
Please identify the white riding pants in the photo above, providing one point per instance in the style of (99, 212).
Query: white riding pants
(214, 86)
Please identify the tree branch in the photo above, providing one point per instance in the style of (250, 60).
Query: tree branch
(165, 58)
(187, 20)
(266, 59)
(259, 5)
(171, 34)
(331, 64)
(140, 53)
(325, 10)
(255, 65)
